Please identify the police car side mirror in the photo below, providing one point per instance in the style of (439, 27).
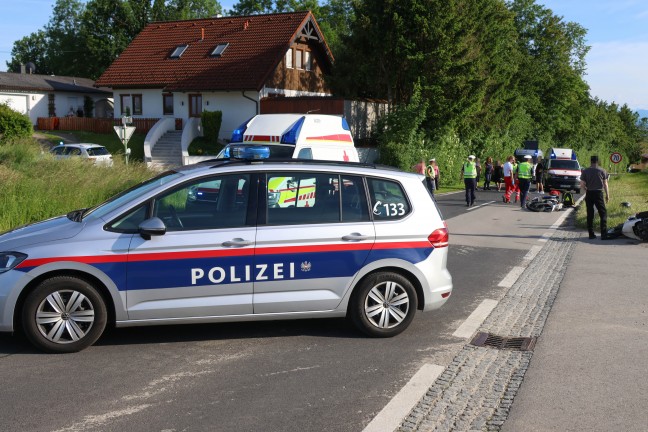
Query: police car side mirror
(152, 227)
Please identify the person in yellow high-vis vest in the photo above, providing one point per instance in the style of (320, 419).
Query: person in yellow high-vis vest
(429, 177)
(524, 174)
(469, 176)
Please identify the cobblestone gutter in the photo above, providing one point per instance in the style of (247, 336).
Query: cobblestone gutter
(476, 391)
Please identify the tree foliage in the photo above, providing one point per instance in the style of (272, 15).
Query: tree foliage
(461, 76)
(83, 39)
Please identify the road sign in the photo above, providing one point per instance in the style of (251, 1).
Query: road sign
(124, 133)
(616, 157)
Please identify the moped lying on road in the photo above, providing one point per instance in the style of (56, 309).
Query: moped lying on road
(636, 227)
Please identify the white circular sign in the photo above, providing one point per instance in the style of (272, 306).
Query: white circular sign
(616, 157)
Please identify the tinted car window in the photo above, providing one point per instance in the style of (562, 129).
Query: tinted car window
(212, 203)
(303, 198)
(354, 200)
(388, 200)
(97, 151)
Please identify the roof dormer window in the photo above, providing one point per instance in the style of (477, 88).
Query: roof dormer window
(218, 51)
(180, 49)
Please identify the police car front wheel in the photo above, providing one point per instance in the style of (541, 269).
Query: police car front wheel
(383, 305)
(64, 314)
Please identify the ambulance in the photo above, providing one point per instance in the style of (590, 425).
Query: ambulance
(300, 136)
(562, 170)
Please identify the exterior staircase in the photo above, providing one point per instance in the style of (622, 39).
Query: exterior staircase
(167, 152)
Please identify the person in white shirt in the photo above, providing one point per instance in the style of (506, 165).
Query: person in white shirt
(508, 179)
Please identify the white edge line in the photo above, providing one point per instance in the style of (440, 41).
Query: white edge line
(511, 277)
(480, 205)
(472, 323)
(391, 416)
(532, 253)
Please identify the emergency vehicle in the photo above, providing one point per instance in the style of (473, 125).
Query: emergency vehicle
(561, 170)
(303, 136)
(371, 245)
(521, 152)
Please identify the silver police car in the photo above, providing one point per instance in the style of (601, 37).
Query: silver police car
(231, 240)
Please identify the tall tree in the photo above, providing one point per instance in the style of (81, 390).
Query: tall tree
(192, 9)
(550, 77)
(65, 49)
(107, 28)
(32, 48)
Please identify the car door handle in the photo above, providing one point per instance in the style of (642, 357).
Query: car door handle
(355, 237)
(237, 242)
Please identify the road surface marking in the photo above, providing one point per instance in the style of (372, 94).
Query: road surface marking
(532, 253)
(511, 277)
(472, 323)
(480, 205)
(395, 411)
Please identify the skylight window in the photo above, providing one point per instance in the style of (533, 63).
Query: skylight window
(218, 51)
(180, 49)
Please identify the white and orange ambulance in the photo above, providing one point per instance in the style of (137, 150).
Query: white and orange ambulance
(561, 170)
(300, 136)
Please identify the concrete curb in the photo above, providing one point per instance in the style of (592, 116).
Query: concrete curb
(477, 390)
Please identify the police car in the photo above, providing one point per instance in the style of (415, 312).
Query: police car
(370, 244)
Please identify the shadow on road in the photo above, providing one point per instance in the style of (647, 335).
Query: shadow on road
(168, 334)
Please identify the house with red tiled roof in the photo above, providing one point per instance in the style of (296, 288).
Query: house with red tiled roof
(178, 69)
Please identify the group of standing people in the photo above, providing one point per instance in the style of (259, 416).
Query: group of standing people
(516, 178)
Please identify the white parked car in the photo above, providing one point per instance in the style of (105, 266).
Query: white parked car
(206, 243)
(97, 154)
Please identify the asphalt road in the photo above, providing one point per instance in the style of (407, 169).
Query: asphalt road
(311, 375)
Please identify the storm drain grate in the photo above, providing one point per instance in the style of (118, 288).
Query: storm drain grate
(482, 339)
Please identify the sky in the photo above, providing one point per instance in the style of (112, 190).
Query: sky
(617, 64)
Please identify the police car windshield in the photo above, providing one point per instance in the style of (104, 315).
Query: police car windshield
(276, 151)
(129, 195)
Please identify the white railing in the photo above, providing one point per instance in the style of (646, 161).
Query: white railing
(192, 129)
(160, 128)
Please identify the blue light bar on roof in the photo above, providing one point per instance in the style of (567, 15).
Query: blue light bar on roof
(345, 124)
(237, 135)
(249, 152)
(290, 137)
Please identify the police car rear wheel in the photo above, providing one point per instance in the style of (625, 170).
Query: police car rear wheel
(64, 314)
(384, 305)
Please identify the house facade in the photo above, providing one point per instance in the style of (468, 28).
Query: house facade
(53, 96)
(178, 69)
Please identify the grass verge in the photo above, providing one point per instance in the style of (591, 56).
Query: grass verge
(35, 186)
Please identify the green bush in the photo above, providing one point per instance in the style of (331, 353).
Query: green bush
(211, 123)
(14, 124)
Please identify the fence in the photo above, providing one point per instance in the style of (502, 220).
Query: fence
(96, 125)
